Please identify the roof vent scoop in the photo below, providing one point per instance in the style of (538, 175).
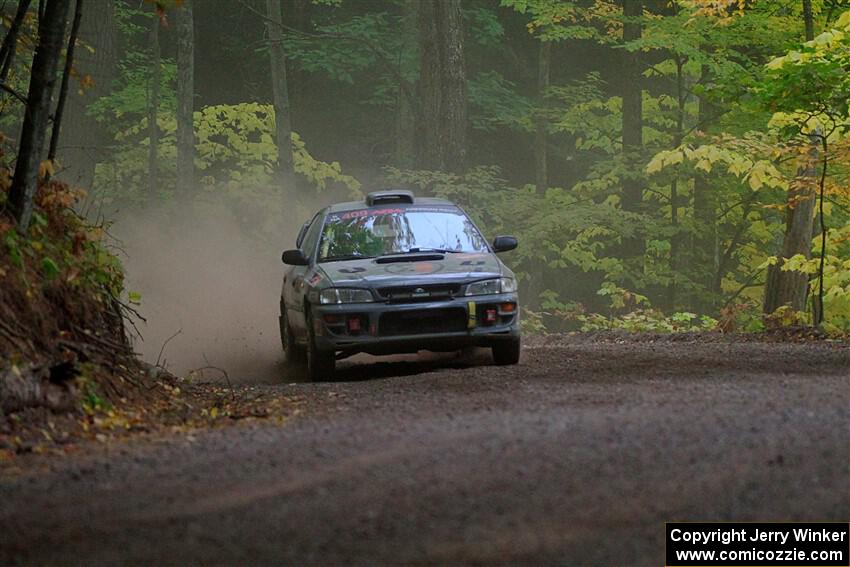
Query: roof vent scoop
(389, 197)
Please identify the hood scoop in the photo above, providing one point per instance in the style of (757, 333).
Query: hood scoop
(425, 257)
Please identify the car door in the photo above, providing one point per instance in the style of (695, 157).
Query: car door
(295, 285)
(285, 294)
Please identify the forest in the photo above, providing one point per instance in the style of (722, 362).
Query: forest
(666, 165)
(190, 374)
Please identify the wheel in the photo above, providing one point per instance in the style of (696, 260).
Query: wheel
(506, 352)
(293, 352)
(320, 363)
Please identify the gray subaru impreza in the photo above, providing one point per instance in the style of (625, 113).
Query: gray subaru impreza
(395, 274)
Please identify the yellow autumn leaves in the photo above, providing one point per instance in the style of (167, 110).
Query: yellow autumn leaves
(757, 173)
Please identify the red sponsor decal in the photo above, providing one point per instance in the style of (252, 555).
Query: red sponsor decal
(369, 213)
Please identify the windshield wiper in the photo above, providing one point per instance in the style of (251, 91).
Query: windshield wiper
(426, 249)
(344, 257)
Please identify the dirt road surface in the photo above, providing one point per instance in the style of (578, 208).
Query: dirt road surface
(575, 457)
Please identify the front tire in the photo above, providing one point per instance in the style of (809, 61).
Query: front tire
(507, 352)
(292, 351)
(320, 363)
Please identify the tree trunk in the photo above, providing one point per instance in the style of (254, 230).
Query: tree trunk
(51, 34)
(153, 111)
(678, 135)
(283, 119)
(427, 139)
(790, 287)
(185, 101)
(405, 142)
(298, 15)
(442, 84)
(633, 181)
(84, 138)
(818, 312)
(66, 75)
(10, 42)
(808, 20)
(704, 252)
(454, 86)
(541, 161)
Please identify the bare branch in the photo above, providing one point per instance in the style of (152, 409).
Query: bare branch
(13, 92)
(162, 350)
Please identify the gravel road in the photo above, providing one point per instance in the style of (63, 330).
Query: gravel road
(575, 457)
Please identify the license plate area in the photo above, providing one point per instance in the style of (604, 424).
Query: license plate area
(422, 322)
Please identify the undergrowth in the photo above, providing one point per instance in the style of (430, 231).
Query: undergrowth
(60, 285)
(632, 312)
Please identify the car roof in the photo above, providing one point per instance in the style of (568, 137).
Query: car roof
(358, 205)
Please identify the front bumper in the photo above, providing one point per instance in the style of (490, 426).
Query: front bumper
(394, 328)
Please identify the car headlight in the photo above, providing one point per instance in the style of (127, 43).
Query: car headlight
(488, 287)
(345, 295)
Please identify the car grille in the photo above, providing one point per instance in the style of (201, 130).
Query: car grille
(422, 322)
(414, 293)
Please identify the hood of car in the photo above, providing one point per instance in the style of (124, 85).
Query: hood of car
(414, 269)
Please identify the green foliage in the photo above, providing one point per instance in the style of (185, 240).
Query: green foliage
(558, 229)
(129, 99)
(13, 248)
(812, 82)
(494, 102)
(92, 399)
(800, 97)
(725, 127)
(836, 281)
(715, 55)
(49, 268)
(235, 153)
(344, 50)
(627, 311)
(60, 258)
(649, 320)
(484, 26)
(353, 239)
(749, 158)
(557, 20)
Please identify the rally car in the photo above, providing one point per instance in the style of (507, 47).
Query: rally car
(395, 274)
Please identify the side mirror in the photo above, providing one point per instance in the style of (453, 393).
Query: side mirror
(295, 258)
(504, 243)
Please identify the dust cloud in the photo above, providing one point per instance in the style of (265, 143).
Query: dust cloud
(210, 292)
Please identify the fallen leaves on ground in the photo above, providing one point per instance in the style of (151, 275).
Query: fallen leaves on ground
(169, 406)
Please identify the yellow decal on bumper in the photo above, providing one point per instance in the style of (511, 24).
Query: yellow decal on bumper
(472, 317)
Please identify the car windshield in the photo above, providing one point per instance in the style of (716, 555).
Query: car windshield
(377, 232)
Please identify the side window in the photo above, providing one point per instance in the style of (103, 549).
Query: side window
(301, 234)
(311, 238)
